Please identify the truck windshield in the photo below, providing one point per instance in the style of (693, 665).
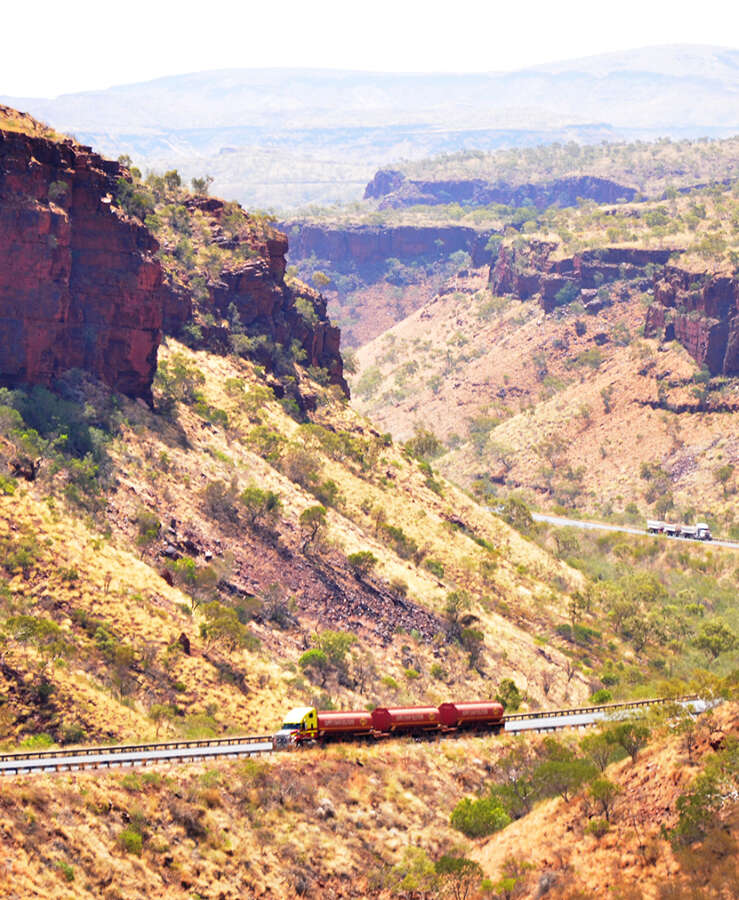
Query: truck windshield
(296, 725)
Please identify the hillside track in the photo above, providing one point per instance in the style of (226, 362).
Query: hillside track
(602, 526)
(118, 755)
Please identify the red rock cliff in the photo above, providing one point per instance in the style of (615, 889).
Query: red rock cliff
(266, 305)
(702, 313)
(80, 286)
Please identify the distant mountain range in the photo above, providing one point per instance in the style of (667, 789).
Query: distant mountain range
(284, 137)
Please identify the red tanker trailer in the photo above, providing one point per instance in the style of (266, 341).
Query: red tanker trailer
(405, 719)
(336, 725)
(485, 714)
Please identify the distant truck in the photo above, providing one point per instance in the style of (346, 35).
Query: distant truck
(698, 532)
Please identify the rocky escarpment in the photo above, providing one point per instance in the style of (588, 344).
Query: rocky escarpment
(80, 286)
(252, 285)
(530, 269)
(394, 190)
(702, 313)
(357, 246)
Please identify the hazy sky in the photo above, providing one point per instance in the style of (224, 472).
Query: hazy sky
(50, 47)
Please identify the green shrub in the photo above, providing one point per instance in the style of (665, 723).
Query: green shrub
(509, 695)
(435, 567)
(131, 841)
(66, 870)
(480, 817)
(37, 742)
(598, 827)
(362, 560)
(403, 545)
(601, 696)
(7, 485)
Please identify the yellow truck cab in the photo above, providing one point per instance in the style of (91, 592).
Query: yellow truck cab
(300, 724)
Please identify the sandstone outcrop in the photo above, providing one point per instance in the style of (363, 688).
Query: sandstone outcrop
(253, 283)
(80, 286)
(702, 313)
(358, 246)
(532, 270)
(394, 190)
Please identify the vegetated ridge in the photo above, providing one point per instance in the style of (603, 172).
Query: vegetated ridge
(286, 137)
(380, 259)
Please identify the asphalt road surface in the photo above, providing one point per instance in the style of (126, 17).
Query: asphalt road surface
(137, 757)
(600, 526)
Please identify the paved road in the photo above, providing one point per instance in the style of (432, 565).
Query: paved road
(137, 757)
(590, 718)
(600, 526)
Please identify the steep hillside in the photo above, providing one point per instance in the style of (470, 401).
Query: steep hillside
(597, 324)
(377, 822)
(182, 557)
(662, 826)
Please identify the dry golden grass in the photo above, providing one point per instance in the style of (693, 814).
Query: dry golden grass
(13, 120)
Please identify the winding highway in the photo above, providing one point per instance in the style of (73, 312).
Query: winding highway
(601, 526)
(103, 757)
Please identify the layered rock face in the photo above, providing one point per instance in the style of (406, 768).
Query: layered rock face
(265, 304)
(355, 246)
(530, 271)
(80, 286)
(394, 190)
(702, 313)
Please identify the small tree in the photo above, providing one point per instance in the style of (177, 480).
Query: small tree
(219, 500)
(201, 185)
(222, 626)
(563, 776)
(480, 817)
(723, 476)
(363, 561)
(335, 644)
(312, 521)
(632, 736)
(261, 507)
(716, 638)
(473, 641)
(315, 664)
(599, 749)
(457, 603)
(159, 713)
(509, 695)
(459, 875)
(604, 792)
